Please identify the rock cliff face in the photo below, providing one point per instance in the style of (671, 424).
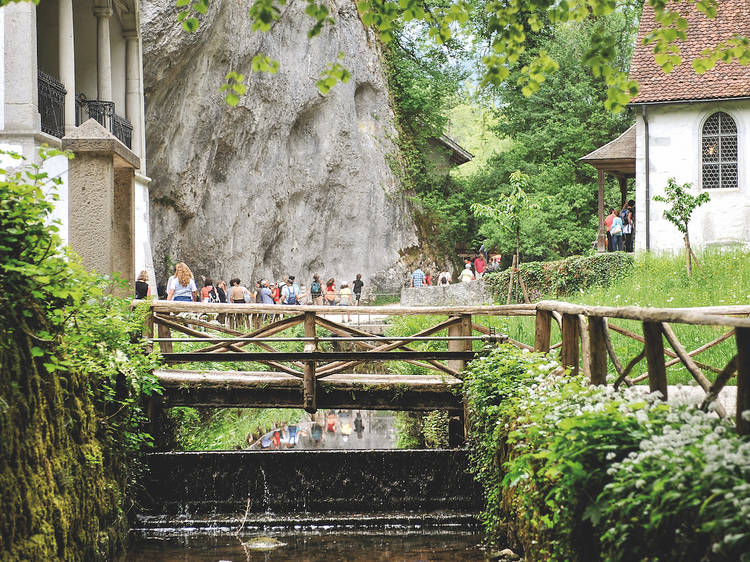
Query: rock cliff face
(289, 181)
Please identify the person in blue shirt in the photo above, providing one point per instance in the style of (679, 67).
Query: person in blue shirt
(417, 278)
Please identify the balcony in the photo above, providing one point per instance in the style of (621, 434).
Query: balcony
(104, 113)
(52, 105)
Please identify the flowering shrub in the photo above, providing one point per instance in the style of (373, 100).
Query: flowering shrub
(574, 472)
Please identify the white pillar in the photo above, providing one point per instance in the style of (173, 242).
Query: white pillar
(20, 68)
(133, 88)
(66, 47)
(103, 54)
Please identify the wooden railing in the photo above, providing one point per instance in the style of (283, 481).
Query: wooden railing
(585, 340)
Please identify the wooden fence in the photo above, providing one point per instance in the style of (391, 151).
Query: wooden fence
(585, 340)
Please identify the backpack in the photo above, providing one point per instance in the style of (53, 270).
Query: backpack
(316, 289)
(291, 296)
(213, 296)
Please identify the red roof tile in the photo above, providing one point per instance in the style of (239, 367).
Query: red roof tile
(723, 81)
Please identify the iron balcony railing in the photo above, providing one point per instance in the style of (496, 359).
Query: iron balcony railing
(51, 105)
(104, 113)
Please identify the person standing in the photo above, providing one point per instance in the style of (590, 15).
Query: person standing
(347, 299)
(290, 294)
(316, 291)
(445, 277)
(357, 288)
(330, 294)
(182, 285)
(615, 234)
(266, 296)
(466, 275)
(627, 227)
(236, 293)
(607, 225)
(142, 289)
(208, 294)
(221, 290)
(480, 265)
(417, 278)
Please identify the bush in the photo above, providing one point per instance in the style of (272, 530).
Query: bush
(560, 278)
(574, 472)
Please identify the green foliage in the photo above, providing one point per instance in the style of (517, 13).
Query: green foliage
(572, 275)
(226, 428)
(576, 472)
(73, 378)
(682, 203)
(332, 75)
(235, 86)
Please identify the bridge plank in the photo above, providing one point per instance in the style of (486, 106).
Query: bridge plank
(259, 389)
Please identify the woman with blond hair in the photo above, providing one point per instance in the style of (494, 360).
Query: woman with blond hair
(142, 288)
(182, 285)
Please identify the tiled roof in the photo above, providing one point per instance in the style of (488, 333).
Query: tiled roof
(723, 81)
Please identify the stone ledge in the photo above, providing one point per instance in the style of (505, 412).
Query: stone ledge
(469, 293)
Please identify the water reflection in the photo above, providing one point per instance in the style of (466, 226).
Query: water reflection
(333, 429)
(351, 547)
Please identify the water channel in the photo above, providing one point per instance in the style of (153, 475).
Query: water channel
(350, 495)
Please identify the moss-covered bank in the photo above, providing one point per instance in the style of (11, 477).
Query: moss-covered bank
(59, 499)
(73, 378)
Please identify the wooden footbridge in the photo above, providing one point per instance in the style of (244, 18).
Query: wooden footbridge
(305, 356)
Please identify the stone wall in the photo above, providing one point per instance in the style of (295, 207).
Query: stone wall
(288, 182)
(469, 293)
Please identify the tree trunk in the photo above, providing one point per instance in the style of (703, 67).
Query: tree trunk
(688, 252)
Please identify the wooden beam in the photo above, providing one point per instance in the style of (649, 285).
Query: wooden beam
(657, 371)
(601, 236)
(597, 351)
(252, 389)
(690, 365)
(569, 350)
(342, 329)
(742, 337)
(253, 308)
(713, 316)
(583, 332)
(542, 330)
(309, 402)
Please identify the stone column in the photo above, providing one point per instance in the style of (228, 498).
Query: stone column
(103, 54)
(21, 81)
(101, 205)
(133, 88)
(66, 47)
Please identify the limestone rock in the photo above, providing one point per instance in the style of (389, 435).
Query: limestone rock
(289, 181)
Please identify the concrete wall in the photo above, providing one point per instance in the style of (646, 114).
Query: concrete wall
(675, 151)
(470, 293)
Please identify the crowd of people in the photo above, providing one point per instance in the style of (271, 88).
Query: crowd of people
(182, 286)
(620, 228)
(333, 425)
(474, 268)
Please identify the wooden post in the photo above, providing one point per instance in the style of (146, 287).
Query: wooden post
(569, 349)
(597, 350)
(742, 336)
(309, 400)
(148, 330)
(466, 330)
(583, 334)
(657, 370)
(542, 330)
(601, 236)
(165, 332)
(456, 345)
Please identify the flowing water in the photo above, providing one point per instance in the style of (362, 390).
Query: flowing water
(313, 547)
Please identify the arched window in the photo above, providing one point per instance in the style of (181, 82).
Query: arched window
(719, 152)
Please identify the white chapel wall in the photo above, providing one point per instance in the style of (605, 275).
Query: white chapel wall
(675, 151)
